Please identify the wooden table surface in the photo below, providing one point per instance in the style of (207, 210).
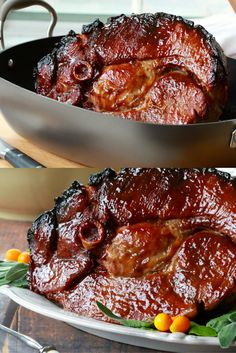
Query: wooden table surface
(48, 159)
(46, 331)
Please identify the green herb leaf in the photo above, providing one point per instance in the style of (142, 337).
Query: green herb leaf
(219, 322)
(16, 272)
(201, 330)
(7, 263)
(107, 311)
(227, 335)
(13, 273)
(137, 323)
(3, 282)
(21, 283)
(129, 323)
(225, 326)
(232, 317)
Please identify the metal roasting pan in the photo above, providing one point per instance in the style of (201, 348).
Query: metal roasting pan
(97, 139)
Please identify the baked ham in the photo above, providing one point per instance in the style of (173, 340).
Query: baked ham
(155, 68)
(141, 241)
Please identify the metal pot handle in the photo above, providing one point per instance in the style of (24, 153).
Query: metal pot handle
(11, 5)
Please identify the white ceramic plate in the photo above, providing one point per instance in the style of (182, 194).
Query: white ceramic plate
(174, 342)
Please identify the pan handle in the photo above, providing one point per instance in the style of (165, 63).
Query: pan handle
(11, 5)
(233, 140)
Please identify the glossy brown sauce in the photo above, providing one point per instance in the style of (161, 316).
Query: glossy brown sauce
(141, 241)
(155, 68)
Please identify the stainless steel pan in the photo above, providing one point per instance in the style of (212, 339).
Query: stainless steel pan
(102, 140)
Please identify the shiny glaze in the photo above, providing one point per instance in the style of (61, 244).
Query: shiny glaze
(156, 68)
(200, 196)
(203, 272)
(142, 248)
(170, 98)
(204, 269)
(134, 298)
(140, 241)
(59, 274)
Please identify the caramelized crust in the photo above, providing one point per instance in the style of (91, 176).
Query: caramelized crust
(197, 281)
(140, 241)
(155, 68)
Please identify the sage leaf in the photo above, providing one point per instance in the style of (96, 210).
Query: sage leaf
(13, 273)
(129, 323)
(232, 317)
(21, 283)
(3, 282)
(218, 323)
(136, 323)
(16, 272)
(7, 263)
(107, 311)
(227, 335)
(201, 330)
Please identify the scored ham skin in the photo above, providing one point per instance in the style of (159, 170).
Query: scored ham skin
(155, 68)
(140, 241)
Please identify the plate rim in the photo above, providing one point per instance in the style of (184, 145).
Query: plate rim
(59, 314)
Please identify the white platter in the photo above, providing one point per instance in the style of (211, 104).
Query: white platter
(174, 342)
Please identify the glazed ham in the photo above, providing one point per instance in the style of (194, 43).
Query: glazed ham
(140, 241)
(156, 68)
